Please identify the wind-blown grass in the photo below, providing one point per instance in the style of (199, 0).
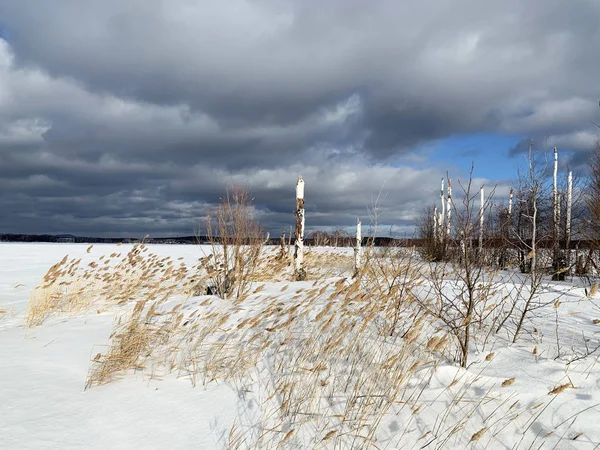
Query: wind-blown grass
(332, 362)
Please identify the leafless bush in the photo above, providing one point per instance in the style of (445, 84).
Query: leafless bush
(433, 246)
(462, 289)
(237, 240)
(534, 235)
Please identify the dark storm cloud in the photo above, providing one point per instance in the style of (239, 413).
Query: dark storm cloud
(123, 117)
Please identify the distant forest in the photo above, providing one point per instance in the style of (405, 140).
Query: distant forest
(341, 241)
(316, 240)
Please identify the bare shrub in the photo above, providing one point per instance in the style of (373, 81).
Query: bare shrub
(433, 240)
(532, 186)
(592, 198)
(462, 288)
(534, 228)
(237, 240)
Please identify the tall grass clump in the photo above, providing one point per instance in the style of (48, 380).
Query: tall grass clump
(328, 363)
(136, 336)
(70, 287)
(322, 352)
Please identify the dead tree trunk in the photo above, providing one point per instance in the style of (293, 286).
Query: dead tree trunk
(568, 223)
(282, 251)
(449, 210)
(443, 210)
(505, 234)
(299, 241)
(481, 211)
(555, 195)
(557, 263)
(357, 248)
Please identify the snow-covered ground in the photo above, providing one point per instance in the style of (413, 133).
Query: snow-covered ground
(43, 373)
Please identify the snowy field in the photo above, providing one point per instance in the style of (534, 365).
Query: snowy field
(306, 364)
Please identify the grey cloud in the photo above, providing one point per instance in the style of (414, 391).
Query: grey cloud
(265, 61)
(123, 116)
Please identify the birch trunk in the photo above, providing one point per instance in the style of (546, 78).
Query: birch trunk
(443, 211)
(506, 227)
(569, 212)
(357, 248)
(509, 216)
(481, 211)
(556, 266)
(299, 242)
(449, 209)
(555, 196)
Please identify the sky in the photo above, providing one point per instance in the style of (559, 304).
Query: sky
(126, 118)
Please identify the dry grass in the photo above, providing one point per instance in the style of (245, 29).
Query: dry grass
(332, 356)
(324, 264)
(273, 266)
(320, 355)
(332, 359)
(559, 389)
(508, 382)
(71, 288)
(135, 337)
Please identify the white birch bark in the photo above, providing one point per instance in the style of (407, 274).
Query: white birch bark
(299, 242)
(569, 212)
(509, 215)
(534, 237)
(481, 218)
(443, 210)
(449, 209)
(357, 248)
(555, 197)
